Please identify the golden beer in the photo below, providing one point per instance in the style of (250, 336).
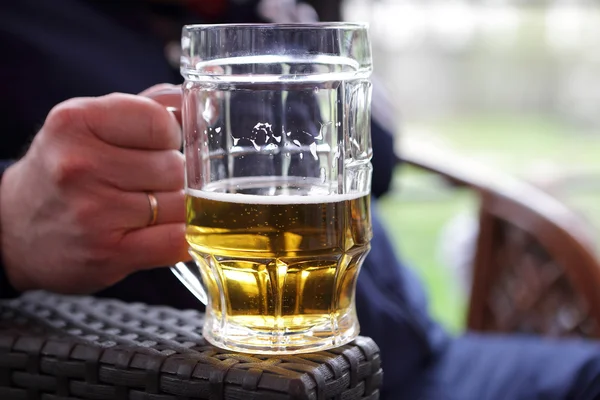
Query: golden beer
(279, 269)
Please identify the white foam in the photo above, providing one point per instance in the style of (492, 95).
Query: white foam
(276, 199)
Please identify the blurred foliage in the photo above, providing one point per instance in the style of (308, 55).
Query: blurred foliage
(544, 150)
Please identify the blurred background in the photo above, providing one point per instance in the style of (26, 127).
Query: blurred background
(514, 85)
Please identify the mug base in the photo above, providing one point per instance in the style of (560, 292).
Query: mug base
(239, 338)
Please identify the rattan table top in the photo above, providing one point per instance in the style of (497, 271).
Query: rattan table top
(78, 347)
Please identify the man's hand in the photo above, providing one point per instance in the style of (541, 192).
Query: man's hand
(74, 211)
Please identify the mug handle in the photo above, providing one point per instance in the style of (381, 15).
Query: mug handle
(188, 272)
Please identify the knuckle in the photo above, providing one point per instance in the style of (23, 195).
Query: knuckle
(163, 129)
(96, 260)
(69, 168)
(99, 259)
(118, 98)
(65, 115)
(76, 116)
(116, 95)
(174, 164)
(91, 257)
(100, 251)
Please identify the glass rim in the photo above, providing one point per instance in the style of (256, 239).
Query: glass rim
(282, 25)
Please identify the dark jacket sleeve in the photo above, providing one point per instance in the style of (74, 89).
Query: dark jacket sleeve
(7, 290)
(393, 310)
(384, 159)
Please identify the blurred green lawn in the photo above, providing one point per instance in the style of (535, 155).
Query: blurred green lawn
(537, 148)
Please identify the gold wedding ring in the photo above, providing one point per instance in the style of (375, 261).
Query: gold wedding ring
(153, 208)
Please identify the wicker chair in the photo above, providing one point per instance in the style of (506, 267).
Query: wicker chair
(534, 269)
(55, 347)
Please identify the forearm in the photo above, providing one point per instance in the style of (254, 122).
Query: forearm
(7, 290)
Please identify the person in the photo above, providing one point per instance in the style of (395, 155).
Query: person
(85, 139)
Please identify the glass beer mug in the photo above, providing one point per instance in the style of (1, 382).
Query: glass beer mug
(276, 120)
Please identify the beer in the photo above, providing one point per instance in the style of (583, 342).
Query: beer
(279, 260)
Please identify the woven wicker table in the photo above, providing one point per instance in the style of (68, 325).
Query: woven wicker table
(71, 347)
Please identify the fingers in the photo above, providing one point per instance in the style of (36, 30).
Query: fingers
(155, 246)
(165, 94)
(169, 96)
(170, 208)
(137, 170)
(137, 211)
(118, 119)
